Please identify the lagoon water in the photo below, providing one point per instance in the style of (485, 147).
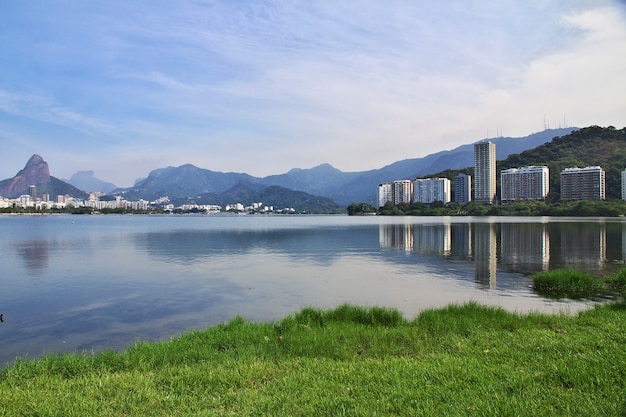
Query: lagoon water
(88, 283)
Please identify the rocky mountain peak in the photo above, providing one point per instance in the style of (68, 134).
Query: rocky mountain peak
(35, 172)
(34, 161)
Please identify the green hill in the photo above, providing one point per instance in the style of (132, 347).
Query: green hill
(590, 146)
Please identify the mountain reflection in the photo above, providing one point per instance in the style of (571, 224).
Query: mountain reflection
(320, 246)
(515, 247)
(35, 254)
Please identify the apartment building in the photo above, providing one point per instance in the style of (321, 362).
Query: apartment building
(485, 172)
(463, 188)
(429, 190)
(385, 193)
(526, 183)
(583, 183)
(402, 191)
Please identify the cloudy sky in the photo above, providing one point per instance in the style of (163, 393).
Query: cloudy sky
(124, 87)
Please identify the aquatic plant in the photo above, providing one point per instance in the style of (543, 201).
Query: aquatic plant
(568, 283)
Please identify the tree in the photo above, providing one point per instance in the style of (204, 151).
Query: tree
(360, 209)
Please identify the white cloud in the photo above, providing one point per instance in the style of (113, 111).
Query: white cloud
(580, 85)
(265, 87)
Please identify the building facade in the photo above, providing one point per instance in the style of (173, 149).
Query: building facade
(385, 193)
(583, 183)
(527, 183)
(463, 188)
(402, 192)
(485, 172)
(429, 190)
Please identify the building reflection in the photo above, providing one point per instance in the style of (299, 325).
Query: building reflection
(519, 247)
(584, 243)
(485, 254)
(396, 236)
(525, 246)
(461, 245)
(433, 239)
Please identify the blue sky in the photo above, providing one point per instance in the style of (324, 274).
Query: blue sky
(125, 87)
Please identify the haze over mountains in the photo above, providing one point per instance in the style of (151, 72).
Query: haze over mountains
(86, 181)
(188, 182)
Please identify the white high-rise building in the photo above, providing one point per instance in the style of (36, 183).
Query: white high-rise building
(485, 172)
(429, 190)
(385, 193)
(527, 183)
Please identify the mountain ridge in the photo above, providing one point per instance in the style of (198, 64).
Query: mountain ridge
(324, 180)
(188, 181)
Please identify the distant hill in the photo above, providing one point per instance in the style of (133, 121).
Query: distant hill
(86, 181)
(36, 172)
(183, 182)
(188, 181)
(275, 196)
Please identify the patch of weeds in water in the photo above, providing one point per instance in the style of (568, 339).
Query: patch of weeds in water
(567, 283)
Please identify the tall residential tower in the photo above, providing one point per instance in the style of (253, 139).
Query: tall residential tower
(485, 172)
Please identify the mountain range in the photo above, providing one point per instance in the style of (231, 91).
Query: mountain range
(188, 183)
(323, 180)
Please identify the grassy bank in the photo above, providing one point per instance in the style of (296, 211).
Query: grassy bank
(461, 360)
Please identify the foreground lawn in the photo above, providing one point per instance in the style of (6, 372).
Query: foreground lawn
(461, 360)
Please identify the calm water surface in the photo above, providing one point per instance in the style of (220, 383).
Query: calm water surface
(102, 282)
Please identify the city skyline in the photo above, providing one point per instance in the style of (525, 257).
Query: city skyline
(123, 88)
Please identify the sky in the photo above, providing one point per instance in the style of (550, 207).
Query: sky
(125, 87)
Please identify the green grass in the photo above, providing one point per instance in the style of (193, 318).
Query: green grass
(456, 361)
(568, 283)
(617, 282)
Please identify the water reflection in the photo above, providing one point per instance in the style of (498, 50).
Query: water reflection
(105, 281)
(523, 248)
(485, 254)
(321, 246)
(35, 254)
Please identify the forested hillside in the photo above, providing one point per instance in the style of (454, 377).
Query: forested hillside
(605, 147)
